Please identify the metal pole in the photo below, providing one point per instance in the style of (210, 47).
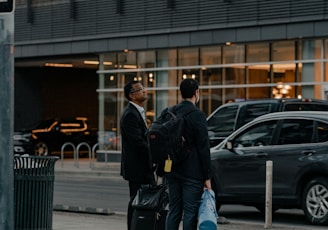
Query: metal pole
(6, 119)
(268, 195)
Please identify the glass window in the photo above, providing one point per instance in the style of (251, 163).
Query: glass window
(242, 72)
(109, 62)
(166, 78)
(326, 57)
(257, 135)
(146, 59)
(234, 76)
(282, 90)
(295, 106)
(211, 98)
(296, 131)
(223, 120)
(188, 56)
(283, 51)
(258, 52)
(258, 74)
(250, 112)
(233, 54)
(311, 49)
(322, 129)
(210, 55)
(283, 73)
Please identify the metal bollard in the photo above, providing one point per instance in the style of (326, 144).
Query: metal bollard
(62, 151)
(77, 153)
(268, 195)
(93, 154)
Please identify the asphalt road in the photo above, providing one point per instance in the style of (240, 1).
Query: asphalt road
(96, 192)
(112, 194)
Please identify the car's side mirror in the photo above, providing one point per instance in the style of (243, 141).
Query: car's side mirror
(229, 145)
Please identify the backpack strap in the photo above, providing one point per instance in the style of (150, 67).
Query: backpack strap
(182, 115)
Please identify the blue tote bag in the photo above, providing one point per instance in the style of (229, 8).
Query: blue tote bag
(207, 214)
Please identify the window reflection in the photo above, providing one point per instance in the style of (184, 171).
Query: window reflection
(283, 51)
(226, 72)
(258, 52)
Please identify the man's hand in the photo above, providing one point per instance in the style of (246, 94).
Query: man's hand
(208, 185)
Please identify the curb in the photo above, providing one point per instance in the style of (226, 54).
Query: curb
(89, 174)
(86, 210)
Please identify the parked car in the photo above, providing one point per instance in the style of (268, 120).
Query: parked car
(297, 144)
(50, 135)
(22, 141)
(229, 117)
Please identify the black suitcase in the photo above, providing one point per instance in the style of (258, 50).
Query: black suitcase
(150, 208)
(148, 219)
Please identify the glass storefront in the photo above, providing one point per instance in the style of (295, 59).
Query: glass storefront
(282, 69)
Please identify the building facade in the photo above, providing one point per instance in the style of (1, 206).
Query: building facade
(237, 49)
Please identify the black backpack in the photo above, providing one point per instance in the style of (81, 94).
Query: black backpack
(165, 137)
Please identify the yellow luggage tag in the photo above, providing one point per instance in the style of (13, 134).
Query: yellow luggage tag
(168, 165)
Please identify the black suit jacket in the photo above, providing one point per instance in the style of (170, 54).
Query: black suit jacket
(135, 160)
(197, 164)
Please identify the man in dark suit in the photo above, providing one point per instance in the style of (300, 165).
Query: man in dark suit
(136, 166)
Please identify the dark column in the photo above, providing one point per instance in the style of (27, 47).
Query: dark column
(6, 119)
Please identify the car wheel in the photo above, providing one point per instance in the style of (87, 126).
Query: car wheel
(315, 201)
(41, 149)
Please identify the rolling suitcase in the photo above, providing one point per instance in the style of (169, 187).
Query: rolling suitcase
(150, 208)
(148, 219)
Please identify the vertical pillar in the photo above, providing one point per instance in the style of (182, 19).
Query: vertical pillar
(101, 100)
(6, 118)
(308, 69)
(161, 80)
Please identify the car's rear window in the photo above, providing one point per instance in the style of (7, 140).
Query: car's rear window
(223, 119)
(305, 107)
(252, 111)
(296, 131)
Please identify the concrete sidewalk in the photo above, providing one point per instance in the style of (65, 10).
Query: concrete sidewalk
(70, 218)
(87, 167)
(76, 221)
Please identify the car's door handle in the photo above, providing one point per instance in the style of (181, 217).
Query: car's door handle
(308, 152)
(261, 154)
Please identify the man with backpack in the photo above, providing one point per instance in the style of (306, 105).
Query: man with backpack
(136, 166)
(188, 177)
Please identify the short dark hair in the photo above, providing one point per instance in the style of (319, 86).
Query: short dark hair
(128, 89)
(188, 88)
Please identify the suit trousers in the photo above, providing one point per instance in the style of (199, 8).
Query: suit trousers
(184, 200)
(133, 187)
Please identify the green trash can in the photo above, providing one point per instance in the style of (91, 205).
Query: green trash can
(33, 192)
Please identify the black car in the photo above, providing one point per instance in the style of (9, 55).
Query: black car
(50, 135)
(22, 141)
(229, 117)
(296, 143)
